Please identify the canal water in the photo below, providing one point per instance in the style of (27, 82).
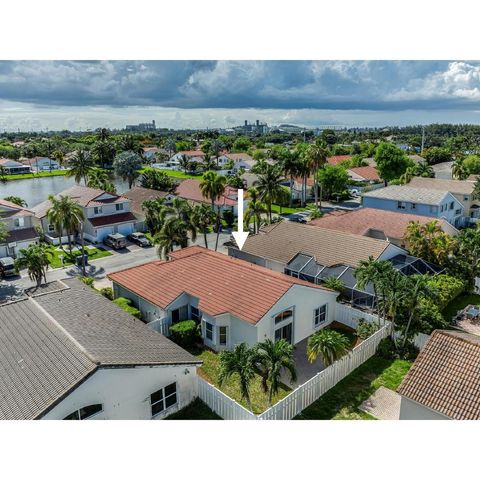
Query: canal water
(36, 190)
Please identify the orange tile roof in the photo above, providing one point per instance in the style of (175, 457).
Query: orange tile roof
(445, 377)
(190, 190)
(368, 173)
(192, 153)
(360, 221)
(337, 159)
(221, 283)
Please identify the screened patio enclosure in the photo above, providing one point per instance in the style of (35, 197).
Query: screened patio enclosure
(305, 267)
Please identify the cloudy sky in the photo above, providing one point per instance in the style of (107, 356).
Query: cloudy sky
(79, 95)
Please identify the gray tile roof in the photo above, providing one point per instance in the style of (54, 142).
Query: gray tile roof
(53, 340)
(405, 193)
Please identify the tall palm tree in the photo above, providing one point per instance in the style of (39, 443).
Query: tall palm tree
(55, 216)
(272, 357)
(240, 361)
(174, 232)
(459, 172)
(329, 344)
(170, 146)
(204, 217)
(291, 169)
(81, 165)
(304, 171)
(423, 169)
(184, 162)
(36, 259)
(254, 211)
(127, 165)
(59, 156)
(155, 214)
(103, 134)
(129, 143)
(395, 295)
(269, 186)
(317, 157)
(99, 178)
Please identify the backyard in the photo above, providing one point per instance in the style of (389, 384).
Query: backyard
(459, 303)
(21, 176)
(56, 253)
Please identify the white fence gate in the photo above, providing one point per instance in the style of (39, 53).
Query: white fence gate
(161, 325)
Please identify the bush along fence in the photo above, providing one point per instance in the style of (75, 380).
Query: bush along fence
(302, 396)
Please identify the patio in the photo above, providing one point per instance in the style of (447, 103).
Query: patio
(468, 319)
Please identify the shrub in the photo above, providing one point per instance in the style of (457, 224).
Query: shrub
(387, 349)
(184, 333)
(446, 289)
(229, 218)
(365, 329)
(87, 281)
(107, 292)
(126, 304)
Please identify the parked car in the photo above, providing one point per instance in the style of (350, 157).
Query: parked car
(300, 217)
(139, 239)
(116, 241)
(354, 192)
(7, 267)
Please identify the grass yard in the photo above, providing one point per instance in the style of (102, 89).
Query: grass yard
(93, 254)
(342, 401)
(175, 173)
(288, 210)
(209, 371)
(197, 410)
(21, 176)
(459, 303)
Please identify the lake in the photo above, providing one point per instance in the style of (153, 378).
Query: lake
(36, 190)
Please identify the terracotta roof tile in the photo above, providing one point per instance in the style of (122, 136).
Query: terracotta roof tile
(138, 195)
(337, 159)
(367, 173)
(190, 190)
(111, 219)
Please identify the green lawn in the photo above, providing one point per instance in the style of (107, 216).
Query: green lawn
(209, 371)
(342, 401)
(93, 254)
(175, 173)
(53, 173)
(197, 410)
(459, 303)
(288, 210)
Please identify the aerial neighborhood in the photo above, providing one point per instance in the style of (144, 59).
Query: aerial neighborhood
(356, 294)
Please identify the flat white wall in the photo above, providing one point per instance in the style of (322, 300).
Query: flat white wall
(125, 392)
(410, 410)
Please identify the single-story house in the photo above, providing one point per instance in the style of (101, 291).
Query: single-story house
(368, 174)
(154, 154)
(380, 224)
(241, 160)
(12, 167)
(338, 159)
(444, 380)
(191, 155)
(138, 195)
(234, 301)
(39, 164)
(20, 223)
(105, 213)
(427, 202)
(69, 353)
(314, 254)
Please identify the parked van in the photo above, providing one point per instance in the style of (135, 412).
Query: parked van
(116, 241)
(7, 267)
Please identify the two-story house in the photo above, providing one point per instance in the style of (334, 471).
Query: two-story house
(104, 212)
(439, 204)
(41, 164)
(20, 224)
(233, 300)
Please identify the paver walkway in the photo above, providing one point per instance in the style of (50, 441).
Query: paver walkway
(384, 404)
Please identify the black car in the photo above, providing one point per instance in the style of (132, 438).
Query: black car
(139, 239)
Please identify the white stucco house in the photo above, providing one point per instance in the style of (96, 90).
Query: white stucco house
(234, 301)
(69, 353)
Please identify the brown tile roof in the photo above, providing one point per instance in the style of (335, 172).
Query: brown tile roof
(138, 195)
(21, 234)
(284, 240)
(360, 221)
(446, 375)
(337, 159)
(190, 190)
(112, 219)
(221, 283)
(452, 186)
(52, 341)
(192, 153)
(10, 209)
(368, 173)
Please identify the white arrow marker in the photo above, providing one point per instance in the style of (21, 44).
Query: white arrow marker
(240, 236)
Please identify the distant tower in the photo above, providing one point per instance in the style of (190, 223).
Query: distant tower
(423, 139)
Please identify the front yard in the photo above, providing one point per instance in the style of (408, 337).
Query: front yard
(56, 261)
(342, 401)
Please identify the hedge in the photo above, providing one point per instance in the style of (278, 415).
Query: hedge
(126, 304)
(446, 288)
(184, 333)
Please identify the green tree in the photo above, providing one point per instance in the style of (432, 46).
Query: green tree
(423, 169)
(170, 146)
(334, 180)
(335, 283)
(216, 148)
(80, 165)
(184, 162)
(129, 143)
(317, 155)
(240, 362)
(391, 161)
(241, 144)
(103, 153)
(269, 186)
(471, 164)
(98, 178)
(17, 201)
(157, 180)
(204, 218)
(174, 232)
(36, 259)
(329, 344)
(127, 165)
(475, 192)
(434, 155)
(272, 357)
(155, 214)
(290, 166)
(3, 231)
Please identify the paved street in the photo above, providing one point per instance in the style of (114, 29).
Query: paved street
(98, 269)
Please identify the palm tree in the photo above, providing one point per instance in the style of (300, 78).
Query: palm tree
(99, 178)
(272, 357)
(240, 361)
(269, 186)
(329, 344)
(128, 143)
(204, 217)
(17, 201)
(55, 216)
(170, 146)
(36, 259)
(174, 232)
(59, 156)
(334, 283)
(304, 171)
(254, 211)
(216, 147)
(395, 294)
(103, 134)
(423, 169)
(184, 162)
(407, 176)
(3, 174)
(458, 170)
(81, 165)
(155, 214)
(291, 169)
(317, 157)
(127, 165)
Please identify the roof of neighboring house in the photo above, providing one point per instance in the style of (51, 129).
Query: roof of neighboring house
(367, 173)
(138, 195)
(281, 242)
(7, 162)
(406, 193)
(10, 209)
(454, 186)
(240, 156)
(53, 340)
(192, 153)
(337, 159)
(84, 196)
(445, 377)
(112, 219)
(221, 283)
(190, 190)
(21, 234)
(363, 220)
(417, 158)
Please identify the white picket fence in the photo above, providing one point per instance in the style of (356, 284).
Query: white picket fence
(160, 325)
(350, 316)
(222, 404)
(302, 396)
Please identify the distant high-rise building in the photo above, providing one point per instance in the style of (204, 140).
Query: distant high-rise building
(141, 127)
(252, 128)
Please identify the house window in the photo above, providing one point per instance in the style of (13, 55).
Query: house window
(466, 198)
(320, 315)
(195, 313)
(414, 206)
(285, 315)
(222, 335)
(85, 412)
(401, 205)
(451, 205)
(19, 222)
(163, 399)
(118, 206)
(209, 331)
(97, 210)
(51, 228)
(458, 212)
